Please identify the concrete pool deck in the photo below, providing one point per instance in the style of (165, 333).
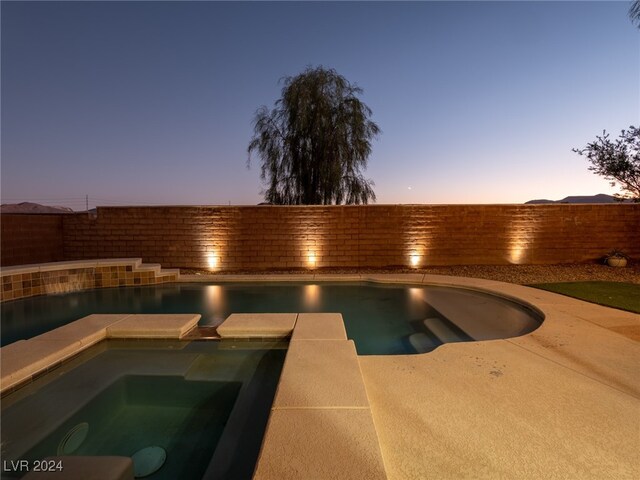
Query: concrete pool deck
(560, 402)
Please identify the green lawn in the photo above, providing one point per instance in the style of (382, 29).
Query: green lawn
(625, 296)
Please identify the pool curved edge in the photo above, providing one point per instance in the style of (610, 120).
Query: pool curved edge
(554, 309)
(532, 299)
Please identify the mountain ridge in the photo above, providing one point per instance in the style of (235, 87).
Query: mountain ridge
(36, 208)
(32, 208)
(599, 198)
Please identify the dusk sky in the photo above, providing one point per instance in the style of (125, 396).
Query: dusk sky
(152, 102)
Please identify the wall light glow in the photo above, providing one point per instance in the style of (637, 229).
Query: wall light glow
(517, 252)
(212, 260)
(311, 259)
(521, 239)
(415, 259)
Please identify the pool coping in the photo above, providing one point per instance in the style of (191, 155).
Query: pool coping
(25, 360)
(297, 443)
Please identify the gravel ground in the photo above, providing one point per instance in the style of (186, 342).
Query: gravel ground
(520, 274)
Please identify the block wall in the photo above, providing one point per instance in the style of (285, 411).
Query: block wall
(292, 237)
(26, 239)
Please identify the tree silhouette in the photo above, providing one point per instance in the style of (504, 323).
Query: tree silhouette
(617, 161)
(315, 142)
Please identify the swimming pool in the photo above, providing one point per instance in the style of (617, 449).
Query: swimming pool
(381, 319)
(201, 406)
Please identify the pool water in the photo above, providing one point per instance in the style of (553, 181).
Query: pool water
(203, 406)
(184, 418)
(381, 319)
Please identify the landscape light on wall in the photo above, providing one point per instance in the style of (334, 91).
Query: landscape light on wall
(520, 241)
(516, 253)
(212, 260)
(311, 259)
(414, 259)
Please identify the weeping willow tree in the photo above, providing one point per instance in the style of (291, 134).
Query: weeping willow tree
(315, 142)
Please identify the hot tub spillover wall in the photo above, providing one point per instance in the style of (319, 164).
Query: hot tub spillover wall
(290, 237)
(61, 277)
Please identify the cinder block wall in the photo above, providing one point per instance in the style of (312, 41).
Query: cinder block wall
(26, 239)
(279, 237)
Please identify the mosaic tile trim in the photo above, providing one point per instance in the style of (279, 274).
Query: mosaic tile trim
(23, 285)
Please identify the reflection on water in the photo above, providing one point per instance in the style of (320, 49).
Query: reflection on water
(312, 297)
(215, 302)
(381, 319)
(414, 301)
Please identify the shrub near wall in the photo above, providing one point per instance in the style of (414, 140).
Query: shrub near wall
(27, 239)
(282, 237)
